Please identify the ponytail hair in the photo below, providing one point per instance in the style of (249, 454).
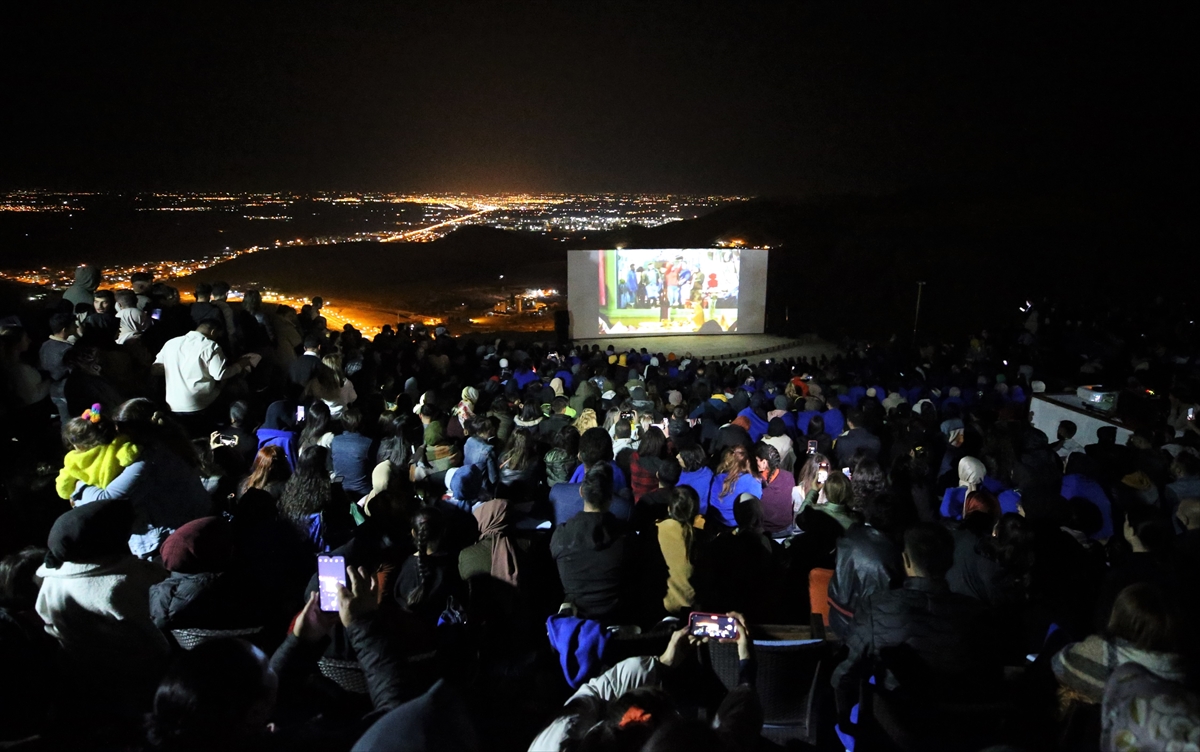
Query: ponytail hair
(682, 508)
(144, 423)
(92, 429)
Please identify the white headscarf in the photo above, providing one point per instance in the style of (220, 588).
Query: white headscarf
(133, 323)
(427, 397)
(465, 409)
(971, 473)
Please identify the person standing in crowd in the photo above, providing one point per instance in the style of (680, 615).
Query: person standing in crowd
(102, 322)
(83, 290)
(143, 285)
(63, 330)
(195, 367)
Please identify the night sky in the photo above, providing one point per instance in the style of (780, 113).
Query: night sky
(788, 98)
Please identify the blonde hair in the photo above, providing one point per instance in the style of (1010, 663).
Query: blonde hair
(334, 361)
(587, 419)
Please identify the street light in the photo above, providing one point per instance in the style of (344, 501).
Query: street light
(917, 315)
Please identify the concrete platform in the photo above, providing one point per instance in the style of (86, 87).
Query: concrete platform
(721, 346)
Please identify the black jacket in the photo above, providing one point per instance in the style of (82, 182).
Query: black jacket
(300, 372)
(738, 573)
(940, 629)
(552, 425)
(592, 550)
(353, 459)
(385, 646)
(210, 600)
(978, 576)
(867, 562)
(853, 440)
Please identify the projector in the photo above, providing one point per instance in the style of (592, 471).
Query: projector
(1097, 398)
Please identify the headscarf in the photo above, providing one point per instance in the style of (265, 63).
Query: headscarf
(203, 545)
(426, 398)
(970, 473)
(557, 385)
(780, 405)
(893, 400)
(90, 533)
(465, 409)
(492, 517)
(132, 322)
(742, 422)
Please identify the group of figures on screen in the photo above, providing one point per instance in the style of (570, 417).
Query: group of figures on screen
(648, 278)
(672, 290)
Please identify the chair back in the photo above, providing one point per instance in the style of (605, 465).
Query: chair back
(190, 639)
(346, 674)
(818, 593)
(790, 663)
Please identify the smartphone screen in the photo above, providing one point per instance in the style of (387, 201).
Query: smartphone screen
(812, 447)
(846, 472)
(331, 574)
(1191, 413)
(299, 412)
(156, 314)
(713, 626)
(822, 476)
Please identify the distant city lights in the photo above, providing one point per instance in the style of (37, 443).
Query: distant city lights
(390, 217)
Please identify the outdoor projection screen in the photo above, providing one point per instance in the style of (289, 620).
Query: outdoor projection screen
(633, 291)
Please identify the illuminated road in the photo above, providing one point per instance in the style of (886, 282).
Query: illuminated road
(448, 223)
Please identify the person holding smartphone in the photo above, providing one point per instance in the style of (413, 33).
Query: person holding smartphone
(830, 494)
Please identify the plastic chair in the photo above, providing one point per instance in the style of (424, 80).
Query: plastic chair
(346, 674)
(791, 668)
(818, 593)
(190, 639)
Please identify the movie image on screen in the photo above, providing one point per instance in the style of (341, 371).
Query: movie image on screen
(669, 291)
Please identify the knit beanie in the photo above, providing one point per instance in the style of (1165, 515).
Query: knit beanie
(203, 545)
(90, 533)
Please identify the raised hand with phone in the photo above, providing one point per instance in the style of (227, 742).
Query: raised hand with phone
(728, 627)
(358, 599)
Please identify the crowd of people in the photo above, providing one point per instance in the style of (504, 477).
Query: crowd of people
(510, 512)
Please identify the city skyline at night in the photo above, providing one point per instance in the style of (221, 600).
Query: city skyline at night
(385, 217)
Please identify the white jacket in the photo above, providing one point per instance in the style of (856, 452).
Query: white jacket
(100, 613)
(629, 674)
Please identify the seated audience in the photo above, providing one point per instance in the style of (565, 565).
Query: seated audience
(592, 551)
(572, 499)
(940, 630)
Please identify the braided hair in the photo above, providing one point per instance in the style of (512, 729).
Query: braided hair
(428, 527)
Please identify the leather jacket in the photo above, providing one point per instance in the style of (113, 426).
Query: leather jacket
(867, 562)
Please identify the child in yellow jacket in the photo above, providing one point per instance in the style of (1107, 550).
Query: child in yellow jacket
(98, 454)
